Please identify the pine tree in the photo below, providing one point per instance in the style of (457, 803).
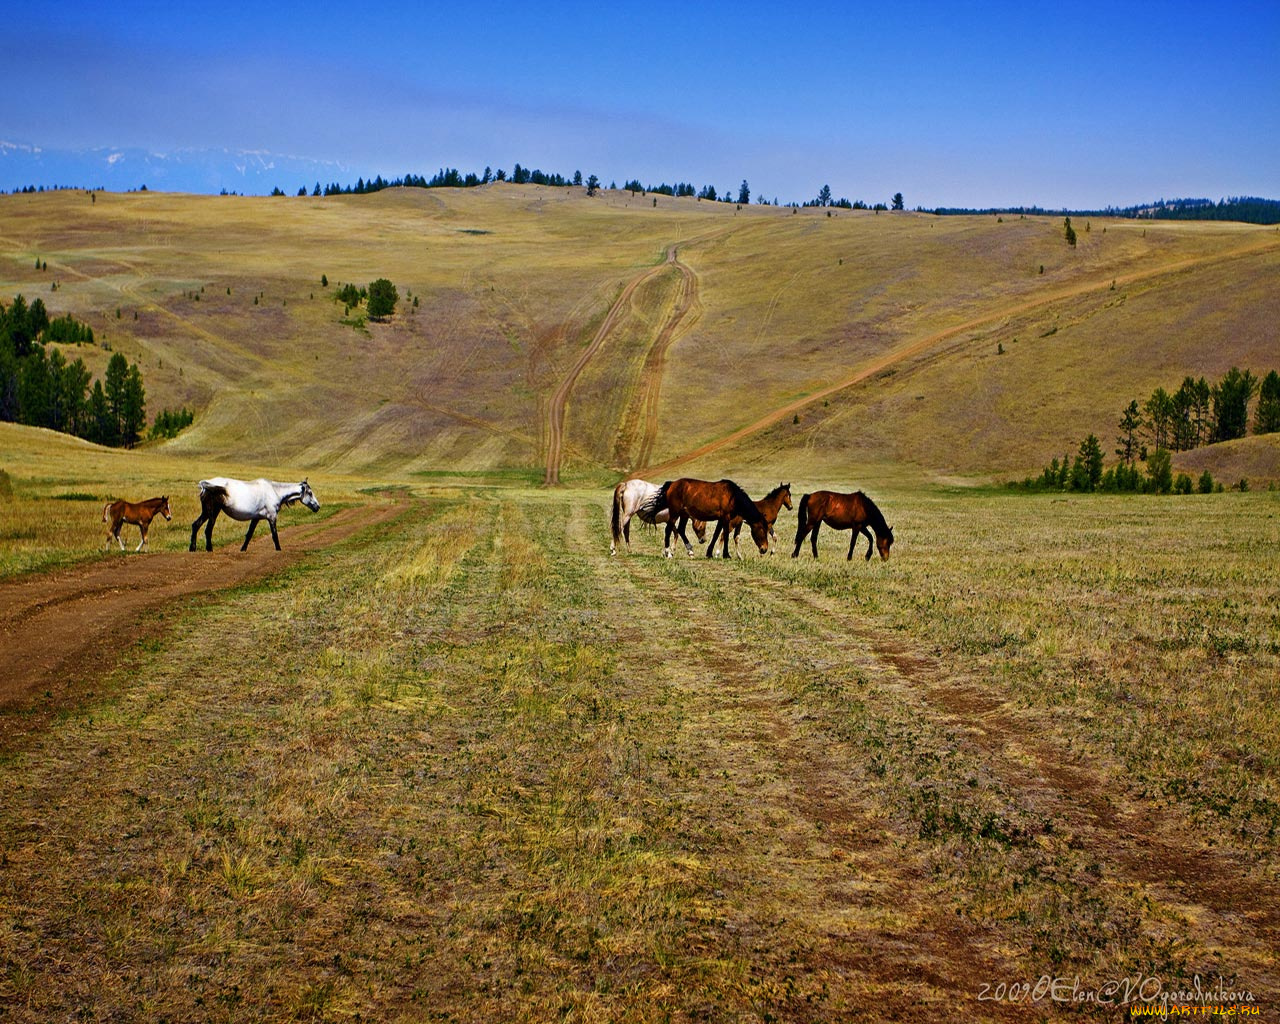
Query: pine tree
(1160, 471)
(1266, 418)
(1159, 410)
(1231, 404)
(1130, 424)
(1086, 471)
(382, 299)
(117, 378)
(35, 389)
(133, 419)
(1069, 232)
(100, 426)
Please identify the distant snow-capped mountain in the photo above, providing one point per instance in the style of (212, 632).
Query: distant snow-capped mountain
(120, 169)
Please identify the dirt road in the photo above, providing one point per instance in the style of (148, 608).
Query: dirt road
(556, 408)
(923, 344)
(62, 633)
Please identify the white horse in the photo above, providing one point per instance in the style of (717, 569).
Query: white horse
(640, 498)
(247, 500)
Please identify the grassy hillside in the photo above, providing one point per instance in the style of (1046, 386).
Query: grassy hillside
(220, 300)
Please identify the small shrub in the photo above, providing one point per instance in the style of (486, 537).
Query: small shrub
(1205, 485)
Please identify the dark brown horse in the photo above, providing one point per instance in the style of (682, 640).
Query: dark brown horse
(770, 505)
(140, 514)
(854, 512)
(699, 499)
(639, 498)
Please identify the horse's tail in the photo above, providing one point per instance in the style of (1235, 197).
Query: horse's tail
(802, 517)
(615, 517)
(660, 502)
(105, 509)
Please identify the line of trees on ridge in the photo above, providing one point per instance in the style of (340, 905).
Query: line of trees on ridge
(1198, 413)
(450, 177)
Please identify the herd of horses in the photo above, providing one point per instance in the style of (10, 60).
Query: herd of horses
(676, 504)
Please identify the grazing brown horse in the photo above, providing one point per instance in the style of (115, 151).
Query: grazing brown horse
(140, 514)
(699, 499)
(770, 505)
(853, 512)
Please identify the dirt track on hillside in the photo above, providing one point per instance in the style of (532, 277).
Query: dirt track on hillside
(921, 345)
(62, 633)
(653, 366)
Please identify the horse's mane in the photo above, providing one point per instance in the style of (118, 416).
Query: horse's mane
(742, 503)
(648, 509)
(875, 518)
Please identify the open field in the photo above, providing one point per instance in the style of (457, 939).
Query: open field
(443, 758)
(465, 766)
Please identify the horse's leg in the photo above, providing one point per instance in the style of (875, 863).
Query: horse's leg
(116, 527)
(626, 534)
(208, 529)
(274, 536)
(253, 525)
(853, 541)
(737, 550)
(871, 544)
(142, 543)
(711, 548)
(813, 537)
(666, 542)
(684, 522)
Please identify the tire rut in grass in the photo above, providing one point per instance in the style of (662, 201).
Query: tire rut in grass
(822, 862)
(1237, 910)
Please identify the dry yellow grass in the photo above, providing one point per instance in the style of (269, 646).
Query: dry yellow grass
(466, 766)
(219, 299)
(470, 767)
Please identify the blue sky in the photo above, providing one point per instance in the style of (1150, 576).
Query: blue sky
(967, 104)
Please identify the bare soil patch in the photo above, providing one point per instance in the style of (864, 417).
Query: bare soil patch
(62, 633)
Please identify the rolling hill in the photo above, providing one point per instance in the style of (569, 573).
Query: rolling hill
(555, 336)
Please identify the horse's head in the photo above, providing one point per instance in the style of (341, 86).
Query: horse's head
(760, 534)
(785, 491)
(164, 507)
(884, 541)
(700, 529)
(308, 498)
